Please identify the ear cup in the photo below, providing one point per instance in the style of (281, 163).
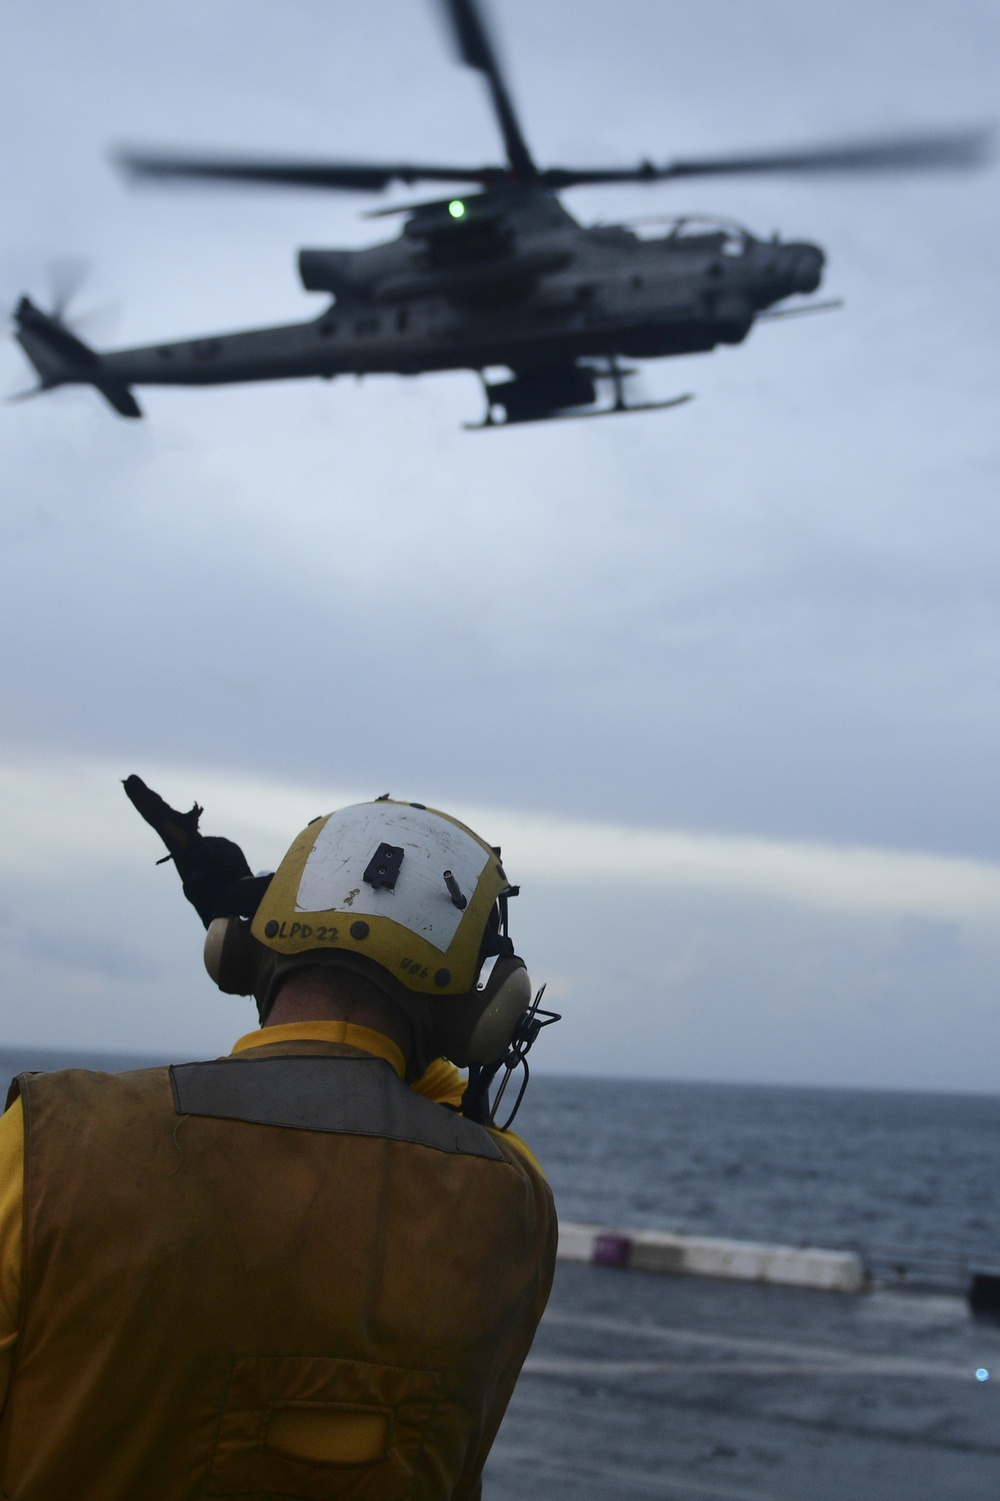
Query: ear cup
(495, 1028)
(232, 955)
(477, 1027)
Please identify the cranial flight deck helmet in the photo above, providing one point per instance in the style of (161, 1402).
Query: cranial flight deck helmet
(415, 902)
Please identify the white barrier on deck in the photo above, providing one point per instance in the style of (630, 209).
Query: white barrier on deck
(701, 1256)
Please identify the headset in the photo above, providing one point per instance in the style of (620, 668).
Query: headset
(484, 1030)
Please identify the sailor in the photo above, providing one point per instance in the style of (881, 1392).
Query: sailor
(312, 1268)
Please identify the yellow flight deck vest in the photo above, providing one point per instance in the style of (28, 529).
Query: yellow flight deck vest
(279, 1274)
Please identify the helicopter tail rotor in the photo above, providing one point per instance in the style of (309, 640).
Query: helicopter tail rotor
(66, 277)
(61, 358)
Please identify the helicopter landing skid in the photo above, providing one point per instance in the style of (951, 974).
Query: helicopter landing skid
(614, 410)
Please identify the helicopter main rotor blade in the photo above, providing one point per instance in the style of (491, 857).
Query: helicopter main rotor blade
(476, 50)
(927, 151)
(358, 177)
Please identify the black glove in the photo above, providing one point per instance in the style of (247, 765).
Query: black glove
(214, 872)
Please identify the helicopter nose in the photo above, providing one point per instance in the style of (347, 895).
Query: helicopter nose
(805, 267)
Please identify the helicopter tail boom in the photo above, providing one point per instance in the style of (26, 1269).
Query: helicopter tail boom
(61, 358)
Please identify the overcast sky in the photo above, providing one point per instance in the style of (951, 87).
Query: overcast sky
(723, 681)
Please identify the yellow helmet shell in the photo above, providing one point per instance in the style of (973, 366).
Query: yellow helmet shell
(326, 894)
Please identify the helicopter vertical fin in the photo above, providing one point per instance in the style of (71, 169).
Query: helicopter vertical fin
(476, 49)
(61, 358)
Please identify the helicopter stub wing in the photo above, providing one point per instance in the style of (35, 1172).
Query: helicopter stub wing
(559, 390)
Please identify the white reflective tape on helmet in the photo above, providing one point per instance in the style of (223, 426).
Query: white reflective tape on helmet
(403, 886)
(333, 879)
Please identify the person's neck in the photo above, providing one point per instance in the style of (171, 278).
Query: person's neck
(303, 999)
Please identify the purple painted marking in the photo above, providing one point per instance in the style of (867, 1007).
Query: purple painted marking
(611, 1250)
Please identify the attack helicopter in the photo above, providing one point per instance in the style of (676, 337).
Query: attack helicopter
(500, 277)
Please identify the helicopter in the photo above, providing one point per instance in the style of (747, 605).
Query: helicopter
(499, 277)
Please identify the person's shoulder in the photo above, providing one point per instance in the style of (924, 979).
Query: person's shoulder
(99, 1076)
(86, 1083)
(517, 1150)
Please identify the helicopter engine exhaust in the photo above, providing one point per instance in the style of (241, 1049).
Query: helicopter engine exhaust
(331, 271)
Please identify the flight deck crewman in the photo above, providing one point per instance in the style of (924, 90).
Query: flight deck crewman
(310, 1269)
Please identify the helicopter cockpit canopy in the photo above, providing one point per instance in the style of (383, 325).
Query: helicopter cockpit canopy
(728, 237)
(692, 232)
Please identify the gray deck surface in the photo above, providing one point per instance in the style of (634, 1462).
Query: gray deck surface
(680, 1387)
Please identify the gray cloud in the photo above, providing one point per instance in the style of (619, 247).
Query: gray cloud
(771, 612)
(108, 961)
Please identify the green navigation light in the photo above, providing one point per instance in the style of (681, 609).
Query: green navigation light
(456, 208)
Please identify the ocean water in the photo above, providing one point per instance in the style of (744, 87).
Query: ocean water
(887, 1172)
(906, 1178)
